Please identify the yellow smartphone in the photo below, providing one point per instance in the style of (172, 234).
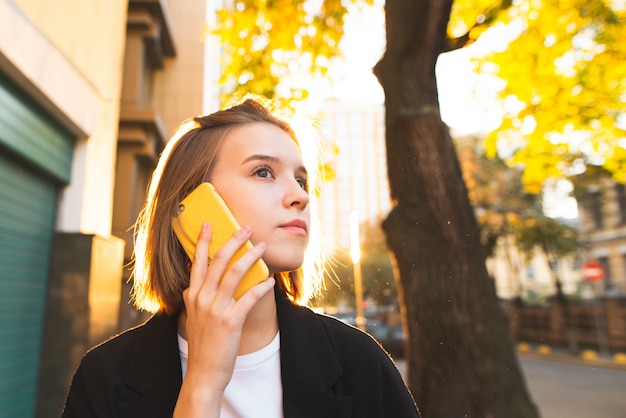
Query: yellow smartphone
(205, 204)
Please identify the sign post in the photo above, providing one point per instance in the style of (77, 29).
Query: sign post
(594, 272)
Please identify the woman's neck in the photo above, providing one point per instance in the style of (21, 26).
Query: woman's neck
(259, 329)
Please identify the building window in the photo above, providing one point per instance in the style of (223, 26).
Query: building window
(595, 208)
(620, 192)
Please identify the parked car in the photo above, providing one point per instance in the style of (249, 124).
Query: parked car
(391, 337)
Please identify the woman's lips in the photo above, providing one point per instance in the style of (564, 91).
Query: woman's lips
(296, 226)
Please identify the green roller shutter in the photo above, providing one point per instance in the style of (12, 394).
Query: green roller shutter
(35, 160)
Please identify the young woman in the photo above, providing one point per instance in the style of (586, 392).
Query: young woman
(205, 354)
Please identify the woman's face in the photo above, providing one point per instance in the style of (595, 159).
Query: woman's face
(260, 174)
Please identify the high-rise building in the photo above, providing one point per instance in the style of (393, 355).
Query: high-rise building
(356, 153)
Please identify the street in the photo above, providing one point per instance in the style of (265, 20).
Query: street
(570, 390)
(562, 389)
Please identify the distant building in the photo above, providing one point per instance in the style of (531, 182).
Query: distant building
(532, 280)
(360, 166)
(603, 231)
(602, 234)
(496, 192)
(89, 94)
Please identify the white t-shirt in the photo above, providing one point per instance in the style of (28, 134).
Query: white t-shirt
(255, 388)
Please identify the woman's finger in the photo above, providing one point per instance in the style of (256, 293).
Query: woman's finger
(247, 301)
(223, 255)
(200, 263)
(235, 273)
(222, 259)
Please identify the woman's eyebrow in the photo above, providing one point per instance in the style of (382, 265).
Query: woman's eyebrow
(269, 158)
(261, 157)
(303, 170)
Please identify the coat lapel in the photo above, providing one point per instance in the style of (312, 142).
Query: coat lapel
(154, 374)
(309, 367)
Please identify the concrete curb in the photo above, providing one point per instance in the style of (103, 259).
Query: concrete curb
(587, 357)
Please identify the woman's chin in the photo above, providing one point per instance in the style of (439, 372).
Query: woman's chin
(283, 267)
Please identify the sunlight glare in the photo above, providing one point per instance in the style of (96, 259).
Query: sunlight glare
(529, 124)
(558, 201)
(310, 145)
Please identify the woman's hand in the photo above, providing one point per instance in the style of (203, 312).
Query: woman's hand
(214, 321)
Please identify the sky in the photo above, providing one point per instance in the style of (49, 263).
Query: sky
(468, 101)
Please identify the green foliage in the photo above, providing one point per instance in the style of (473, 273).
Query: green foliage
(553, 237)
(273, 47)
(377, 267)
(565, 72)
(566, 77)
(495, 191)
(503, 208)
(470, 18)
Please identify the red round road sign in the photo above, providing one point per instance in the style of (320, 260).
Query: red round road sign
(593, 271)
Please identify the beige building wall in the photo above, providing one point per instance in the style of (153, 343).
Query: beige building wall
(603, 231)
(179, 88)
(515, 276)
(77, 71)
(77, 67)
(175, 94)
(70, 57)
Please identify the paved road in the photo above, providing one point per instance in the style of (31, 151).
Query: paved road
(565, 389)
(570, 390)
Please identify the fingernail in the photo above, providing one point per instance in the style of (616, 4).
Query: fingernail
(247, 228)
(261, 245)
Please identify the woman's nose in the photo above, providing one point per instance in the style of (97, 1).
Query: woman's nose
(296, 196)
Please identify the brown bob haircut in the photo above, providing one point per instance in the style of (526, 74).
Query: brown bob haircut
(161, 267)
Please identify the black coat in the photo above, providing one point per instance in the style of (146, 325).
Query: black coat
(328, 369)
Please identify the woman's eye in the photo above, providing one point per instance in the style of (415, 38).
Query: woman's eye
(263, 172)
(303, 183)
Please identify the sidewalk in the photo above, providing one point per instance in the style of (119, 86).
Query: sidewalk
(573, 386)
(570, 386)
(588, 357)
(615, 361)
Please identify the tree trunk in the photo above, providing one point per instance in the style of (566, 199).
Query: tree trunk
(461, 361)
